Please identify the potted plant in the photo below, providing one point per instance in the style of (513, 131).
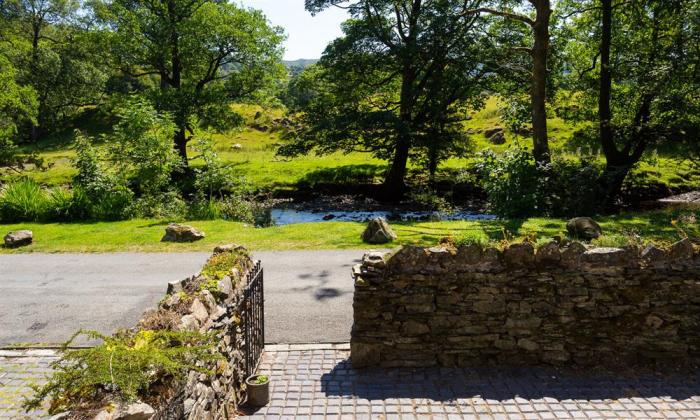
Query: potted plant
(258, 387)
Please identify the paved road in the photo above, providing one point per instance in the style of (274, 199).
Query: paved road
(44, 298)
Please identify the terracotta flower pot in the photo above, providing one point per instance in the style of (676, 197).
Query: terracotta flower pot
(258, 393)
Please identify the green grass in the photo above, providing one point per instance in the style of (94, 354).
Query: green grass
(145, 235)
(264, 170)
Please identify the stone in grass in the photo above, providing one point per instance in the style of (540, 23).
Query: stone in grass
(175, 232)
(18, 238)
(584, 228)
(378, 232)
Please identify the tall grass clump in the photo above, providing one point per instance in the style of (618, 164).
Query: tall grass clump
(23, 201)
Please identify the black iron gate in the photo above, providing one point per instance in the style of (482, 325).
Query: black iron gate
(253, 312)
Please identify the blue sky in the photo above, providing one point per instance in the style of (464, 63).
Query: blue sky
(307, 36)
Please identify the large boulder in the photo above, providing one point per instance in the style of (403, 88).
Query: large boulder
(175, 232)
(584, 228)
(490, 132)
(18, 238)
(498, 138)
(378, 232)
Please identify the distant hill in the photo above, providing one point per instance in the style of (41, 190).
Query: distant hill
(303, 62)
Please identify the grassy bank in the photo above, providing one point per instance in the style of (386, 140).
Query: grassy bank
(256, 158)
(144, 235)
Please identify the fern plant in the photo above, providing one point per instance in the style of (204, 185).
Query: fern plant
(124, 366)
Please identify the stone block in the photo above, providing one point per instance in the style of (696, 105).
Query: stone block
(606, 258)
(519, 255)
(414, 328)
(548, 254)
(682, 250)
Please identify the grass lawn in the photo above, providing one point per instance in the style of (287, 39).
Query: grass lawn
(144, 235)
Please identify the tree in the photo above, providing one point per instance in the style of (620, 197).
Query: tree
(53, 55)
(205, 54)
(539, 52)
(641, 73)
(18, 105)
(396, 83)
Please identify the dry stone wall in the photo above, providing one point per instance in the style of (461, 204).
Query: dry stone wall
(560, 304)
(217, 395)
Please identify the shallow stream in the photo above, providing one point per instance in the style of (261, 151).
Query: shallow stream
(281, 216)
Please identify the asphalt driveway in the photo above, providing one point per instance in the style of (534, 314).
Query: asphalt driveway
(44, 298)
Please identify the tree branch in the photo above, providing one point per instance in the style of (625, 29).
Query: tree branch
(509, 15)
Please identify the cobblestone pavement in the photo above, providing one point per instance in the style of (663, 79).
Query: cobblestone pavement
(319, 382)
(19, 370)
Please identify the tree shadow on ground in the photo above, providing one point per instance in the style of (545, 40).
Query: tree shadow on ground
(318, 289)
(500, 383)
(347, 175)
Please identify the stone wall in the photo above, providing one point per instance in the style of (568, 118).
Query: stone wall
(216, 312)
(560, 304)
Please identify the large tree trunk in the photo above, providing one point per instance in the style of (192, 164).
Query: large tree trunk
(615, 169)
(540, 51)
(181, 144)
(604, 112)
(35, 131)
(394, 184)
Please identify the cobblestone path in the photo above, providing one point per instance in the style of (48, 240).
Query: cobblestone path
(19, 370)
(317, 381)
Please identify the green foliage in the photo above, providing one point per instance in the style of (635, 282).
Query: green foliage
(221, 264)
(18, 106)
(53, 50)
(303, 88)
(167, 205)
(23, 201)
(518, 187)
(124, 366)
(515, 112)
(513, 182)
(261, 379)
(478, 241)
(216, 52)
(214, 178)
(428, 197)
(104, 193)
(399, 81)
(141, 148)
(205, 209)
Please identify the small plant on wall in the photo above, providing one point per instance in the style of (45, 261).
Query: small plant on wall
(123, 368)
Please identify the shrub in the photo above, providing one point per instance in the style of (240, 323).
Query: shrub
(573, 188)
(167, 205)
(205, 209)
(125, 366)
(141, 148)
(23, 201)
(431, 199)
(517, 187)
(66, 205)
(213, 178)
(238, 209)
(514, 184)
(102, 193)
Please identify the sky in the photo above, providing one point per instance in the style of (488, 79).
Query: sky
(307, 36)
